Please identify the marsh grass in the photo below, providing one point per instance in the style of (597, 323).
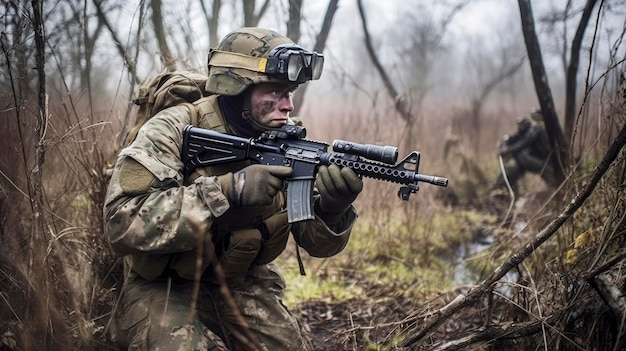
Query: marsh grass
(56, 292)
(414, 256)
(59, 292)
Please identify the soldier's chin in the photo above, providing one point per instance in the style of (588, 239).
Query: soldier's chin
(277, 123)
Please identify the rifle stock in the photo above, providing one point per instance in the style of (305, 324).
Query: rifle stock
(288, 147)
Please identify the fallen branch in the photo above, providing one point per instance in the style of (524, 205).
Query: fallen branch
(501, 331)
(612, 295)
(438, 317)
(509, 331)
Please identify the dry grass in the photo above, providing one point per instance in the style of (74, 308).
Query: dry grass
(58, 292)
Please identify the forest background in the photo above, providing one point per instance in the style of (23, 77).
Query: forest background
(446, 78)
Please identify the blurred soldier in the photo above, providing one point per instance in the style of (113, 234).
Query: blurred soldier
(527, 150)
(180, 238)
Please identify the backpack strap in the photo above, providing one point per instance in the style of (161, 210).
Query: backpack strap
(208, 114)
(194, 113)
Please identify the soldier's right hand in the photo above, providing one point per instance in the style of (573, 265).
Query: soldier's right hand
(254, 185)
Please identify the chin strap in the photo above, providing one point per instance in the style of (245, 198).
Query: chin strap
(246, 115)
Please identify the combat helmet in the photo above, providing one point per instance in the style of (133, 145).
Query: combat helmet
(535, 115)
(253, 55)
(524, 122)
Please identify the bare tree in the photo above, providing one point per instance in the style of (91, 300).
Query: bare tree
(36, 176)
(569, 51)
(400, 102)
(15, 32)
(129, 60)
(423, 42)
(89, 40)
(572, 72)
(544, 93)
(499, 68)
(250, 18)
(41, 316)
(159, 31)
(320, 45)
(212, 20)
(295, 17)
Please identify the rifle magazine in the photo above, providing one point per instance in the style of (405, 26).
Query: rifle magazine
(300, 200)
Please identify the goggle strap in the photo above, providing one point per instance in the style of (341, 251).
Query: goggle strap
(236, 60)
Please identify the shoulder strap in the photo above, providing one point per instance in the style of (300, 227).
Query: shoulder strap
(208, 114)
(193, 113)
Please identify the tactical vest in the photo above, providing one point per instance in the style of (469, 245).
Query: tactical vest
(242, 237)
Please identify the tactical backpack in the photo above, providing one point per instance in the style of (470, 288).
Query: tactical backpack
(165, 90)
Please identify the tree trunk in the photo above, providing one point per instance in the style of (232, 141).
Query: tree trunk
(117, 41)
(295, 17)
(320, 44)
(212, 20)
(544, 94)
(251, 19)
(400, 101)
(159, 31)
(572, 72)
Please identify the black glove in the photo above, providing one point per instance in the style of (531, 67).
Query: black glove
(338, 188)
(254, 185)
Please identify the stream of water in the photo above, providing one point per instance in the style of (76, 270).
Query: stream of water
(465, 277)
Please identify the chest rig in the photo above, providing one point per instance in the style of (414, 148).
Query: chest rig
(242, 236)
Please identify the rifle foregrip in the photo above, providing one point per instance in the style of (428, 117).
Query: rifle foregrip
(300, 200)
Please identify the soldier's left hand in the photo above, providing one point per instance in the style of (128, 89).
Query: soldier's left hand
(338, 188)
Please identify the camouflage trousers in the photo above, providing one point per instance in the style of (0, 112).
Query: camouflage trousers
(159, 314)
(516, 166)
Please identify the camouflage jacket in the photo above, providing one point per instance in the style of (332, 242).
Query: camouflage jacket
(531, 141)
(171, 217)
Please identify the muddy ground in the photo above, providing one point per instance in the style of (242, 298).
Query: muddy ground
(389, 314)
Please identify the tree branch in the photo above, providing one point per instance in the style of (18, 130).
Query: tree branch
(572, 71)
(159, 31)
(118, 43)
(399, 102)
(544, 94)
(320, 44)
(438, 317)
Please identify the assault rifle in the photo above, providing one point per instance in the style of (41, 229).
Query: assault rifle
(288, 147)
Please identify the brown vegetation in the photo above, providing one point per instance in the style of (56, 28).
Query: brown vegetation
(552, 276)
(60, 292)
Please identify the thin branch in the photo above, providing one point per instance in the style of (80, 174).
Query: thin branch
(399, 102)
(118, 43)
(572, 70)
(438, 317)
(320, 44)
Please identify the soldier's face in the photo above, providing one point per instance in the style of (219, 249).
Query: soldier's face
(270, 103)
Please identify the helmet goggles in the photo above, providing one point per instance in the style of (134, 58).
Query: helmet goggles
(294, 63)
(287, 62)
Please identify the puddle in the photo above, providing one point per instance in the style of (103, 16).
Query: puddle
(464, 277)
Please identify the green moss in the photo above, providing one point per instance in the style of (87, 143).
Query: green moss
(311, 287)
(412, 256)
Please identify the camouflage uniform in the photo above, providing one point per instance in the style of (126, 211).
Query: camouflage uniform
(168, 228)
(526, 150)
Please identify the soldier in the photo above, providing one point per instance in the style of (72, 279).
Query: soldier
(525, 150)
(181, 237)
